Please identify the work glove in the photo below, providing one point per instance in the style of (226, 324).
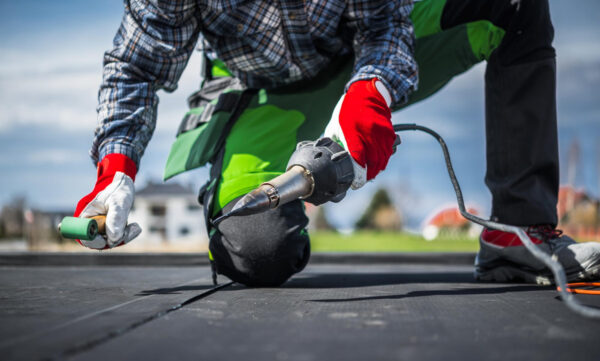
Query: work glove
(112, 196)
(361, 121)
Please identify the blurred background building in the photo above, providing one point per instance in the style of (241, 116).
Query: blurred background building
(449, 223)
(170, 217)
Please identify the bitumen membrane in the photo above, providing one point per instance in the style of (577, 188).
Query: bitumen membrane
(384, 307)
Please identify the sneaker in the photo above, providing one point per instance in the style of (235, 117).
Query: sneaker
(502, 257)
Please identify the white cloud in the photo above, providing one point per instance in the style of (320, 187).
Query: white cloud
(25, 62)
(51, 156)
(61, 90)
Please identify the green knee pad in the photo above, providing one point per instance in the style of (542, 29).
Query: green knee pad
(484, 38)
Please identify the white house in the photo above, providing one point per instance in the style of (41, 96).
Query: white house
(170, 217)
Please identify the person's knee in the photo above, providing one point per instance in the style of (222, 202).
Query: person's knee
(262, 250)
(534, 14)
(532, 8)
(528, 32)
(484, 37)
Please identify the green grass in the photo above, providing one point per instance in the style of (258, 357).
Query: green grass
(388, 242)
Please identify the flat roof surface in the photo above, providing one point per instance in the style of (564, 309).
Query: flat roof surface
(331, 311)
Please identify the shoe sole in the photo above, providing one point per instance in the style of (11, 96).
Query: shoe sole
(508, 273)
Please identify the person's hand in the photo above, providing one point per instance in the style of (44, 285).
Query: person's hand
(361, 121)
(112, 196)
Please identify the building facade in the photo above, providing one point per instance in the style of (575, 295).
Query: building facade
(170, 217)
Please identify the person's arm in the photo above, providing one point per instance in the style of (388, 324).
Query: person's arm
(385, 72)
(383, 45)
(151, 49)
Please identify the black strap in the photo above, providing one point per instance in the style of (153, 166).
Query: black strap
(208, 190)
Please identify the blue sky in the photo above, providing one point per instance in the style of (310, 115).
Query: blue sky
(50, 69)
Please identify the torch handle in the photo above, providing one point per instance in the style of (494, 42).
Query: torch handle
(101, 221)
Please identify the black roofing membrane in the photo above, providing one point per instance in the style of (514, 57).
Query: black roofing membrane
(335, 311)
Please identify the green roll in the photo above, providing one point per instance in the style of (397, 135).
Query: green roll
(78, 228)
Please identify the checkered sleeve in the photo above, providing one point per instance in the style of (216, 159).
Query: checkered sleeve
(384, 44)
(150, 51)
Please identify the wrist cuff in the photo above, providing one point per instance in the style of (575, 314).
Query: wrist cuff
(115, 162)
(384, 92)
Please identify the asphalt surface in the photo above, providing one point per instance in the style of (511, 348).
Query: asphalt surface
(331, 311)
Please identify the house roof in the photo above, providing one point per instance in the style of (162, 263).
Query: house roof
(168, 189)
(568, 197)
(449, 217)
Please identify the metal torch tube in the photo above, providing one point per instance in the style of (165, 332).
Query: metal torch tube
(296, 183)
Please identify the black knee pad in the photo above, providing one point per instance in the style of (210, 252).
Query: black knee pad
(262, 250)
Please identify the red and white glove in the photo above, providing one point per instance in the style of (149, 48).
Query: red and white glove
(361, 121)
(112, 196)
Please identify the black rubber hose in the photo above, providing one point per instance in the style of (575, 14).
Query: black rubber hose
(556, 268)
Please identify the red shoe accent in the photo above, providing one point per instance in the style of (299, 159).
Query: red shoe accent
(504, 239)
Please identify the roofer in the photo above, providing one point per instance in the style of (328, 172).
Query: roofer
(275, 72)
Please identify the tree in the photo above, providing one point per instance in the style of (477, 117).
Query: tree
(320, 221)
(380, 214)
(11, 219)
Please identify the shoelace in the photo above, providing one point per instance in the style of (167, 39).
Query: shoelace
(546, 232)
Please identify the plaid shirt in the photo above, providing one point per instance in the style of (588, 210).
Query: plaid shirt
(264, 43)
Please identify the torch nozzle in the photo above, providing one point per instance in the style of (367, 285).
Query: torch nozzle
(255, 202)
(296, 183)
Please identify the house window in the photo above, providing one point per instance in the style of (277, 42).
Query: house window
(193, 207)
(184, 231)
(158, 210)
(158, 230)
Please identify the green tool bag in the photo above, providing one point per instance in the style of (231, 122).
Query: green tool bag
(202, 130)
